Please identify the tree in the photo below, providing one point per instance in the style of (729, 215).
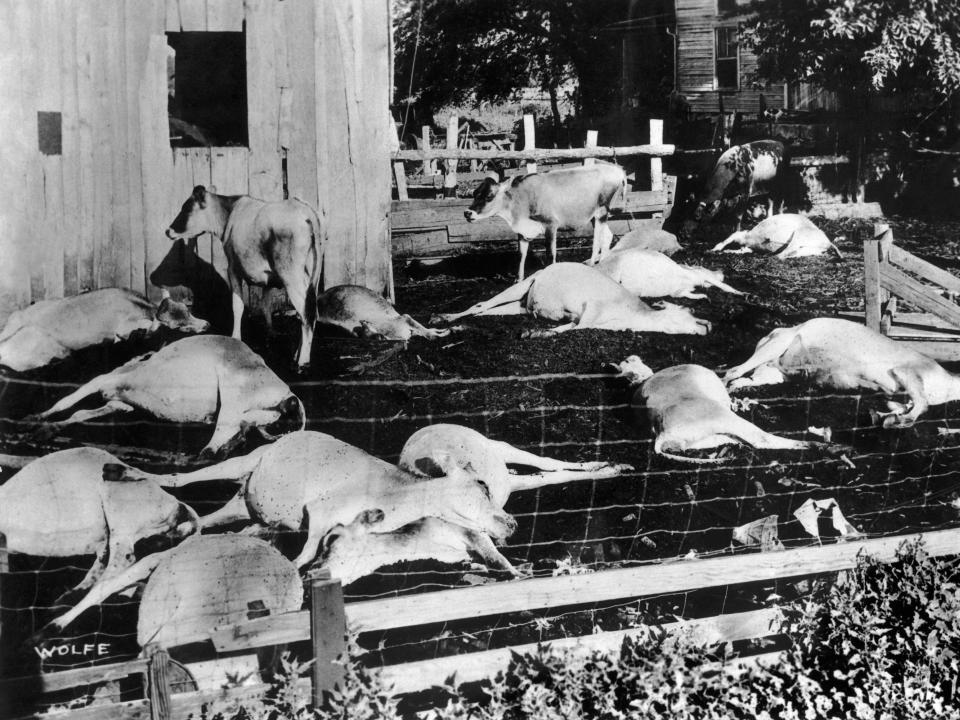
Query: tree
(456, 51)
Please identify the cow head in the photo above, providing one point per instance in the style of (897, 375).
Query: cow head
(197, 216)
(177, 316)
(487, 199)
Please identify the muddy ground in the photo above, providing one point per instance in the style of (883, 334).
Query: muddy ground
(888, 482)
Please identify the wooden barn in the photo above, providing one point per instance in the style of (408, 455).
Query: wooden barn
(114, 109)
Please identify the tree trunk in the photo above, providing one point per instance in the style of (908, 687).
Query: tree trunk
(555, 111)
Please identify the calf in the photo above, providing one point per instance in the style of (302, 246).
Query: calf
(199, 586)
(209, 378)
(63, 504)
(689, 409)
(740, 173)
(586, 298)
(54, 329)
(265, 243)
(314, 481)
(648, 273)
(545, 203)
(786, 236)
(441, 449)
(364, 313)
(182, 267)
(846, 355)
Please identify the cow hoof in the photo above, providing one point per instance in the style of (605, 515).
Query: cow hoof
(303, 369)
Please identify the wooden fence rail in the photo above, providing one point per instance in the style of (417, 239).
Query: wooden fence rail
(328, 618)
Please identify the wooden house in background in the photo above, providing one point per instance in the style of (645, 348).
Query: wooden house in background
(266, 97)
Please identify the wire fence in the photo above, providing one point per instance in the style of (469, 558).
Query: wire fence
(888, 482)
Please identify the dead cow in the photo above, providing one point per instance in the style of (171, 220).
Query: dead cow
(61, 505)
(785, 236)
(649, 239)
(277, 243)
(743, 172)
(314, 481)
(648, 273)
(586, 298)
(543, 203)
(689, 409)
(53, 329)
(209, 378)
(846, 355)
(201, 585)
(441, 449)
(364, 313)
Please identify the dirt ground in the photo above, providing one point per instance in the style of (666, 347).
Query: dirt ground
(888, 482)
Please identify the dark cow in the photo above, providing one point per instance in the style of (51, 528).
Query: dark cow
(743, 172)
(54, 329)
(266, 243)
(538, 204)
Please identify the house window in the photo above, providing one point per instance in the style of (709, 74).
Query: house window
(726, 6)
(207, 89)
(727, 74)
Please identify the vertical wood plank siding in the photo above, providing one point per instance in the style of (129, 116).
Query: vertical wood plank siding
(696, 22)
(94, 215)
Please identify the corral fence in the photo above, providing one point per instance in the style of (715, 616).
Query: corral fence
(437, 226)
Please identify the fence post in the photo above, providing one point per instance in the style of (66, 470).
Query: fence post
(399, 173)
(450, 177)
(656, 164)
(591, 143)
(328, 629)
(871, 283)
(530, 140)
(429, 166)
(4, 568)
(158, 684)
(888, 303)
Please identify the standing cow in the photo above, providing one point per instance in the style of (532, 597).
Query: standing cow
(278, 244)
(743, 172)
(538, 204)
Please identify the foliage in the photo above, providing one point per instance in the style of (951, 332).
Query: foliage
(459, 51)
(859, 46)
(881, 643)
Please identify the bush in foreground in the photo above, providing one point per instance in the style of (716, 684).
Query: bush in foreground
(880, 643)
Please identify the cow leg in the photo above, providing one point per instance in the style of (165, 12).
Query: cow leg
(236, 469)
(84, 415)
(480, 544)
(768, 352)
(235, 510)
(515, 456)
(551, 238)
(237, 299)
(513, 294)
(524, 246)
(423, 331)
(93, 574)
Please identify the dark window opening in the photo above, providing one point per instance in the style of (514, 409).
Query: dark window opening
(207, 89)
(50, 132)
(727, 59)
(726, 6)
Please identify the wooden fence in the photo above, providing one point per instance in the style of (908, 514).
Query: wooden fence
(891, 273)
(328, 619)
(436, 226)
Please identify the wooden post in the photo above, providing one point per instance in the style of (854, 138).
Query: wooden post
(450, 177)
(399, 173)
(529, 140)
(888, 303)
(591, 143)
(871, 283)
(656, 164)
(4, 568)
(328, 629)
(158, 685)
(429, 166)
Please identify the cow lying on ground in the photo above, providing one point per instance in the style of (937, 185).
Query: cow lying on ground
(785, 236)
(54, 329)
(364, 313)
(441, 449)
(60, 505)
(649, 239)
(314, 481)
(543, 203)
(741, 173)
(182, 271)
(203, 584)
(209, 378)
(586, 298)
(649, 273)
(689, 409)
(265, 243)
(846, 355)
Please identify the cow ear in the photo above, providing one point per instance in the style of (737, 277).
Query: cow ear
(200, 193)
